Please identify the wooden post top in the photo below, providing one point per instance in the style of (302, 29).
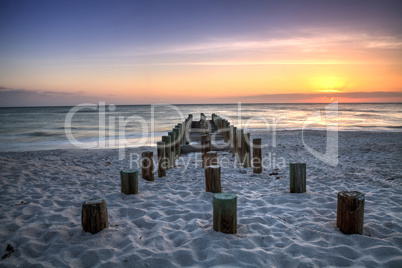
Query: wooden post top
(130, 170)
(224, 196)
(94, 200)
(213, 166)
(352, 194)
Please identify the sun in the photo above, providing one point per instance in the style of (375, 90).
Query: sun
(329, 84)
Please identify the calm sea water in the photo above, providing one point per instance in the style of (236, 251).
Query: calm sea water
(42, 128)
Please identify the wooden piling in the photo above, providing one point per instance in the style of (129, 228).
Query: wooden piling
(213, 179)
(225, 213)
(297, 177)
(239, 153)
(177, 141)
(162, 161)
(231, 139)
(172, 148)
(168, 151)
(350, 212)
(257, 156)
(234, 141)
(205, 147)
(94, 215)
(147, 166)
(212, 158)
(180, 138)
(129, 181)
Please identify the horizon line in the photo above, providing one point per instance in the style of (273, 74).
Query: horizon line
(182, 104)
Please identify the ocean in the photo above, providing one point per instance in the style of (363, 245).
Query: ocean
(104, 126)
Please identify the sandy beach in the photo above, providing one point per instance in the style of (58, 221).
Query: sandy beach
(169, 223)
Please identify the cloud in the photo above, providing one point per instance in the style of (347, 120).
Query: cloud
(300, 46)
(376, 96)
(21, 97)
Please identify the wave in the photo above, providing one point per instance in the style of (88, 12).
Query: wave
(44, 134)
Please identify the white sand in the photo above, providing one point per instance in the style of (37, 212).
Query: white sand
(169, 223)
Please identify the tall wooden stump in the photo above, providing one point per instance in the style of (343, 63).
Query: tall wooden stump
(188, 129)
(162, 163)
(246, 151)
(212, 158)
(205, 147)
(234, 141)
(225, 213)
(168, 151)
(257, 156)
(176, 131)
(184, 128)
(297, 176)
(350, 212)
(239, 153)
(147, 166)
(180, 139)
(172, 149)
(213, 179)
(129, 181)
(231, 139)
(94, 215)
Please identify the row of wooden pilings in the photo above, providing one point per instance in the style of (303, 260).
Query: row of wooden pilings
(240, 144)
(350, 211)
(169, 148)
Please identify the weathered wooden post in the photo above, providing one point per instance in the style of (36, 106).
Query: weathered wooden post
(350, 212)
(168, 151)
(205, 137)
(212, 158)
(188, 128)
(225, 213)
(247, 151)
(234, 141)
(297, 174)
(257, 156)
(227, 126)
(231, 139)
(172, 149)
(213, 179)
(176, 141)
(147, 166)
(162, 161)
(94, 215)
(239, 150)
(205, 147)
(180, 136)
(202, 120)
(224, 129)
(184, 127)
(203, 130)
(129, 181)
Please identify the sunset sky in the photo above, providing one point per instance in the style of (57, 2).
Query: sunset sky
(142, 52)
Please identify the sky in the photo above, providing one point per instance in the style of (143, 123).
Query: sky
(142, 52)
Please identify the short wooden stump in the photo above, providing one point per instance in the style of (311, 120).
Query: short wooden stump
(147, 166)
(225, 213)
(350, 212)
(213, 179)
(94, 215)
(297, 177)
(129, 181)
